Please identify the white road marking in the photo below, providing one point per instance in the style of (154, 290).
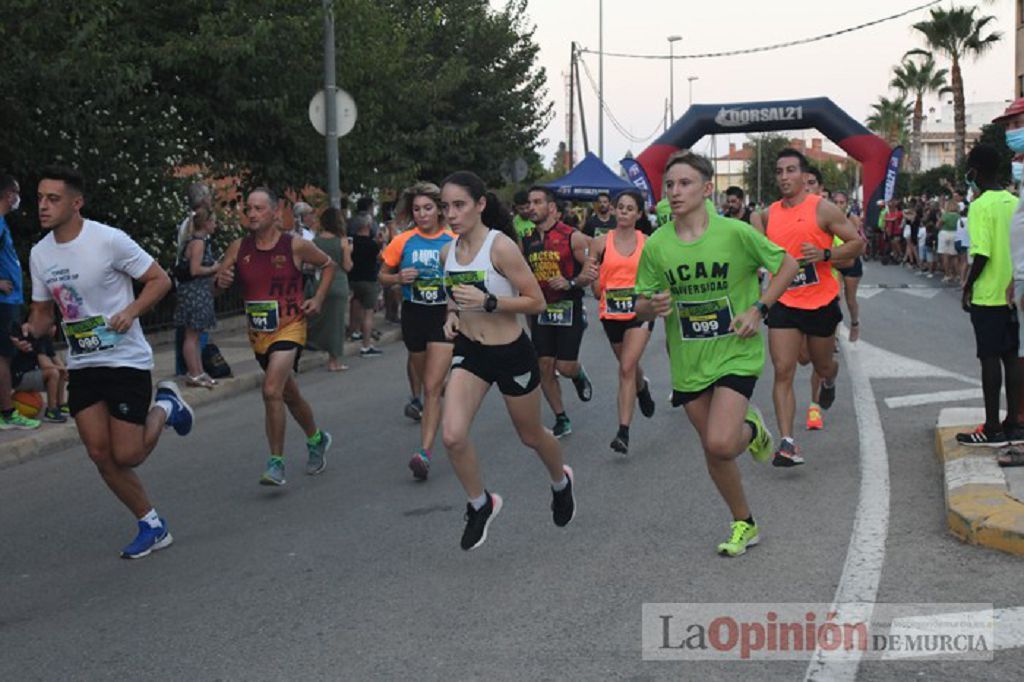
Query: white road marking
(921, 293)
(878, 363)
(1008, 624)
(868, 293)
(916, 399)
(858, 586)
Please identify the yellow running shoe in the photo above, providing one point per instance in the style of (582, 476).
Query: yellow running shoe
(814, 421)
(761, 447)
(743, 535)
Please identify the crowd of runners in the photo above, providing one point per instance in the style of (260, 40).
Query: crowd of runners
(487, 298)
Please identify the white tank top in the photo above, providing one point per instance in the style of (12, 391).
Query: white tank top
(480, 272)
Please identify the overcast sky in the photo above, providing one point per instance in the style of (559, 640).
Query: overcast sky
(853, 69)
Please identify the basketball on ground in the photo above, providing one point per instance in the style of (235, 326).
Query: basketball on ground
(28, 403)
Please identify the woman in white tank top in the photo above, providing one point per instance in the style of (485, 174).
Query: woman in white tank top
(490, 285)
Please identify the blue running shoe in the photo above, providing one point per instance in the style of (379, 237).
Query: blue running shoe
(181, 416)
(274, 475)
(148, 540)
(317, 462)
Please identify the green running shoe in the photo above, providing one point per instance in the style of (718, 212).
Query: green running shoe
(743, 535)
(316, 462)
(17, 421)
(563, 427)
(761, 446)
(274, 475)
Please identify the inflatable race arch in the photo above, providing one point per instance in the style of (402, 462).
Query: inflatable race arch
(706, 119)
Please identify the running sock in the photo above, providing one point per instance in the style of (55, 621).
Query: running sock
(277, 458)
(561, 415)
(790, 439)
(7, 413)
(560, 486)
(814, 404)
(426, 453)
(624, 432)
(479, 502)
(151, 519)
(166, 406)
(316, 438)
(750, 520)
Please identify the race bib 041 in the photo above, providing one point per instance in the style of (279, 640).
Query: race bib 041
(705, 319)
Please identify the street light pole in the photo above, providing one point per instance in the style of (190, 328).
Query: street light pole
(330, 108)
(600, 79)
(691, 79)
(671, 76)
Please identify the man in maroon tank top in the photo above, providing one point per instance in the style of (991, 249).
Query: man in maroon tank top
(269, 270)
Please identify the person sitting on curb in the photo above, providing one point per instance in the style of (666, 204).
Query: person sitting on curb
(36, 368)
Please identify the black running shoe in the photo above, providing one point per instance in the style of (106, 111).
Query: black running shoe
(583, 387)
(620, 444)
(827, 395)
(563, 502)
(643, 396)
(479, 520)
(983, 439)
(562, 428)
(787, 455)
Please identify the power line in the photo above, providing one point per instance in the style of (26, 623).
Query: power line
(767, 48)
(615, 122)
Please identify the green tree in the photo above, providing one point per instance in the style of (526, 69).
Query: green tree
(891, 119)
(958, 34)
(930, 182)
(911, 78)
(759, 171)
(838, 177)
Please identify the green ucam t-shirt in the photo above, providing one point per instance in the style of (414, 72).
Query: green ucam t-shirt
(988, 225)
(712, 280)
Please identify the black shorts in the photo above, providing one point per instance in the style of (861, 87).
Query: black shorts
(561, 343)
(126, 391)
(855, 270)
(995, 330)
(816, 322)
(277, 346)
(422, 324)
(616, 330)
(512, 366)
(742, 385)
(10, 315)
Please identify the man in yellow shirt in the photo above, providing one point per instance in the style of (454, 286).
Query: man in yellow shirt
(986, 298)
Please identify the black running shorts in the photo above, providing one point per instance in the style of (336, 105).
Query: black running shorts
(742, 385)
(512, 366)
(616, 330)
(995, 330)
(855, 270)
(815, 322)
(126, 391)
(561, 343)
(264, 358)
(422, 324)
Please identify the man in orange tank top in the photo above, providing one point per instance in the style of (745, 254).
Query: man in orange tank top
(270, 270)
(806, 226)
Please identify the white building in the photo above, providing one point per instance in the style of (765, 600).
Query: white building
(937, 135)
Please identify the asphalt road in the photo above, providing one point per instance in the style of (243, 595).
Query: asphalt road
(357, 574)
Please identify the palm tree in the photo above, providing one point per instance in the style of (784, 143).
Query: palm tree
(919, 79)
(957, 34)
(891, 119)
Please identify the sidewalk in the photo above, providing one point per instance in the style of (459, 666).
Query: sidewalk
(230, 337)
(984, 502)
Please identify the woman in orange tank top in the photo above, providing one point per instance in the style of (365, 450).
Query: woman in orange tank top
(618, 253)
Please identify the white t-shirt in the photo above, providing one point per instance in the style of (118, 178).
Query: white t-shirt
(962, 235)
(90, 280)
(1017, 239)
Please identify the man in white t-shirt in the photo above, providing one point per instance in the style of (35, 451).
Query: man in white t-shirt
(87, 269)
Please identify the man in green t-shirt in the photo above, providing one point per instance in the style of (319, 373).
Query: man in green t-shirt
(521, 220)
(985, 298)
(699, 272)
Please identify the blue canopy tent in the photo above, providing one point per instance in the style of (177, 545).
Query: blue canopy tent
(589, 178)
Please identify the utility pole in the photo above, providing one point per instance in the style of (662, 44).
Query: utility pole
(600, 79)
(691, 79)
(572, 84)
(331, 108)
(672, 79)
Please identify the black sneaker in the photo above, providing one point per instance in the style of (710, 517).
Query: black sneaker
(983, 439)
(370, 352)
(563, 502)
(787, 455)
(620, 445)
(478, 520)
(827, 395)
(643, 396)
(583, 387)
(563, 427)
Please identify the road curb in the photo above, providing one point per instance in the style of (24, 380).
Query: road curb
(55, 437)
(979, 509)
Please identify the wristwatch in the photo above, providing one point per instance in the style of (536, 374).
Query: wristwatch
(762, 308)
(490, 303)
(828, 255)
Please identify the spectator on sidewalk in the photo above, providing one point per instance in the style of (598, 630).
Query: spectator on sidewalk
(1013, 120)
(524, 226)
(327, 330)
(194, 311)
(365, 288)
(36, 368)
(305, 221)
(996, 329)
(11, 299)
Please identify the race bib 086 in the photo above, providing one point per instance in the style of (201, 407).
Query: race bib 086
(89, 336)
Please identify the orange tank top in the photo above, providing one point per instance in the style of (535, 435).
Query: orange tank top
(791, 227)
(617, 279)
